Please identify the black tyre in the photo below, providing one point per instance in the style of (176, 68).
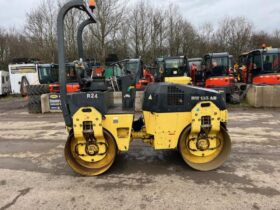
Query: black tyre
(34, 108)
(34, 99)
(23, 86)
(34, 104)
(37, 89)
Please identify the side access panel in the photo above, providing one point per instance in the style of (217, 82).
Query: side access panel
(166, 127)
(120, 126)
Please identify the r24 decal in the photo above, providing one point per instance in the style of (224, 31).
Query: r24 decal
(92, 96)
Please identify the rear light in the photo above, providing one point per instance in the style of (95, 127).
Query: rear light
(92, 4)
(54, 88)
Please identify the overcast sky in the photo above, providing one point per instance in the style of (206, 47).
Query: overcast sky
(264, 14)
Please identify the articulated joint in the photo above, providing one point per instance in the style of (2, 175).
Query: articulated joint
(142, 134)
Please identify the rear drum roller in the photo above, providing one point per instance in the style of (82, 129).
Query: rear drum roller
(199, 154)
(83, 165)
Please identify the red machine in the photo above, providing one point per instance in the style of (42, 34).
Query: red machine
(99, 71)
(71, 87)
(263, 67)
(147, 78)
(214, 82)
(219, 73)
(72, 84)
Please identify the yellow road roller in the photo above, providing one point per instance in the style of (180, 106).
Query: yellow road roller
(175, 116)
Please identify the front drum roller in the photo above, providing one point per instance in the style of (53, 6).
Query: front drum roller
(80, 166)
(206, 160)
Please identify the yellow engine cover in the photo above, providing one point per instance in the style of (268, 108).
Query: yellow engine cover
(182, 80)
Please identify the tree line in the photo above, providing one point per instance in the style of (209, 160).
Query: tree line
(129, 30)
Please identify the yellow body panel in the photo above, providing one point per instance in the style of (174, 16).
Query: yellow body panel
(208, 109)
(89, 115)
(182, 80)
(120, 126)
(166, 128)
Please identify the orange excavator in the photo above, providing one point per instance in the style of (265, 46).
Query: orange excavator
(72, 84)
(219, 74)
(147, 78)
(263, 67)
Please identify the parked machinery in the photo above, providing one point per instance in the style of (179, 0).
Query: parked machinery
(262, 79)
(71, 77)
(48, 73)
(97, 131)
(33, 74)
(134, 69)
(263, 67)
(196, 71)
(219, 74)
(175, 70)
(32, 80)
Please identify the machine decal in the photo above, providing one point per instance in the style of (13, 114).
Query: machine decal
(92, 96)
(204, 98)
